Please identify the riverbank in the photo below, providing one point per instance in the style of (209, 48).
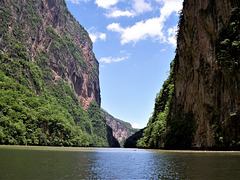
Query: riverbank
(107, 149)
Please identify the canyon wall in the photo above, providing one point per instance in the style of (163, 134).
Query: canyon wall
(205, 86)
(49, 78)
(199, 104)
(47, 27)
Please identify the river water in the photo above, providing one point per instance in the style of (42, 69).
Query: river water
(20, 162)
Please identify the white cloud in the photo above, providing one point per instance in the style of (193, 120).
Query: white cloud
(97, 35)
(118, 13)
(141, 6)
(169, 6)
(102, 36)
(138, 7)
(106, 4)
(153, 28)
(77, 1)
(93, 37)
(111, 59)
(137, 126)
(140, 31)
(115, 27)
(172, 35)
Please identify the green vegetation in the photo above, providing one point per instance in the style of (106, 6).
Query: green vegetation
(163, 131)
(34, 110)
(228, 45)
(28, 119)
(49, 119)
(181, 132)
(155, 132)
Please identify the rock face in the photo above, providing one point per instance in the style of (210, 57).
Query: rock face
(49, 78)
(121, 130)
(72, 60)
(205, 87)
(198, 106)
(112, 141)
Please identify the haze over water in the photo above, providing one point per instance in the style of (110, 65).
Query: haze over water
(19, 162)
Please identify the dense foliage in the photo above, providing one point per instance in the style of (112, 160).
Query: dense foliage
(228, 45)
(154, 134)
(28, 119)
(34, 109)
(163, 130)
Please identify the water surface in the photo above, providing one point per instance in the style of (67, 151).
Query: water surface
(19, 162)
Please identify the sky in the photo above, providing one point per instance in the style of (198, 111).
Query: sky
(134, 42)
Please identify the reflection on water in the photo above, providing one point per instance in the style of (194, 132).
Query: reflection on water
(104, 163)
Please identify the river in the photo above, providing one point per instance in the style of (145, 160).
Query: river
(24, 162)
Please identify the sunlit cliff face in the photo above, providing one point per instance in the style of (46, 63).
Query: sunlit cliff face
(74, 63)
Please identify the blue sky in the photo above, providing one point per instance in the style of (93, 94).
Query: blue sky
(134, 42)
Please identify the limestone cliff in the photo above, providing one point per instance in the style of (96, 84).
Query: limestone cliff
(47, 27)
(49, 78)
(199, 104)
(202, 88)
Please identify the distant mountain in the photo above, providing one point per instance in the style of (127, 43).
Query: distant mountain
(121, 129)
(49, 78)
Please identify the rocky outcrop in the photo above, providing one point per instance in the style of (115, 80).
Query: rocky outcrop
(205, 87)
(121, 130)
(51, 29)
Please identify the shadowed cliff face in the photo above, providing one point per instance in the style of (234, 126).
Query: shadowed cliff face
(202, 87)
(52, 30)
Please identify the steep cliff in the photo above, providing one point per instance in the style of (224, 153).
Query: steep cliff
(206, 86)
(204, 109)
(50, 91)
(48, 28)
(121, 130)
